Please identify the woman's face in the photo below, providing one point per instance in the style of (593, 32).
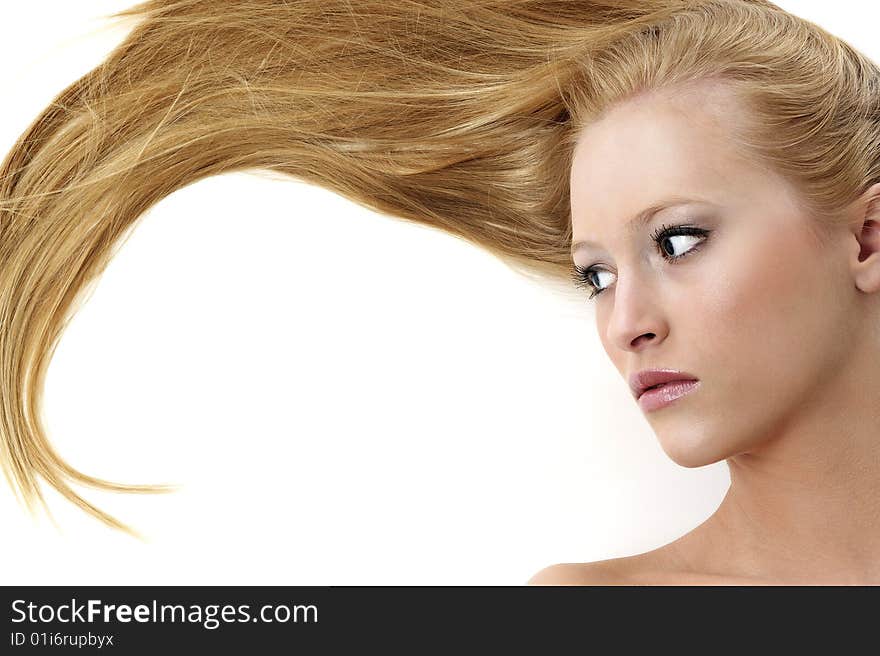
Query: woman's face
(759, 306)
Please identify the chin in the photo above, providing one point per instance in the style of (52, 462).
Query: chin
(692, 451)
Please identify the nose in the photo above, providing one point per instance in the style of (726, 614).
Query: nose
(635, 321)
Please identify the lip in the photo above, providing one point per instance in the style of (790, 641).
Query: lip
(654, 399)
(642, 380)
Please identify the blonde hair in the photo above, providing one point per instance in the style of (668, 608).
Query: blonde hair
(459, 115)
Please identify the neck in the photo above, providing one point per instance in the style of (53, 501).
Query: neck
(805, 506)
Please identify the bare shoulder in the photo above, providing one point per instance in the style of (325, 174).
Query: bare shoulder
(658, 567)
(615, 571)
(684, 561)
(642, 569)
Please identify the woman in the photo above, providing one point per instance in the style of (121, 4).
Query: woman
(768, 320)
(536, 130)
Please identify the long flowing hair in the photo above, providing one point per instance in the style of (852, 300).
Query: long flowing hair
(461, 115)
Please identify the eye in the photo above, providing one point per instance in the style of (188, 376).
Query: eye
(675, 236)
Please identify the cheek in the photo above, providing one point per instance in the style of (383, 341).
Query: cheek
(747, 304)
(767, 321)
(741, 338)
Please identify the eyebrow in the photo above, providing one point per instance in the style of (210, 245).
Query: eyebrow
(639, 220)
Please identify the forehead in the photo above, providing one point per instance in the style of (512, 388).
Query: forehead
(657, 145)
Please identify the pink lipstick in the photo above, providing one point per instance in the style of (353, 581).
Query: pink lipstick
(657, 388)
(660, 397)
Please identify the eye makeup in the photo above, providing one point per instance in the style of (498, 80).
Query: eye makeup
(582, 275)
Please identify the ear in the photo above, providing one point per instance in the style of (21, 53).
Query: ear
(865, 228)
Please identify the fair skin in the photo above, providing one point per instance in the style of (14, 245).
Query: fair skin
(777, 319)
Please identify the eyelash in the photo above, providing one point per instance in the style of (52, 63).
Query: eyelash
(581, 275)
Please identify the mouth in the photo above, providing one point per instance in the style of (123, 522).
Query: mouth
(651, 380)
(663, 394)
(667, 383)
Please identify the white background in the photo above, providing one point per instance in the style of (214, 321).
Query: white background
(344, 397)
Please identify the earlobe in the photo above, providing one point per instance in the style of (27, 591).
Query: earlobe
(866, 229)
